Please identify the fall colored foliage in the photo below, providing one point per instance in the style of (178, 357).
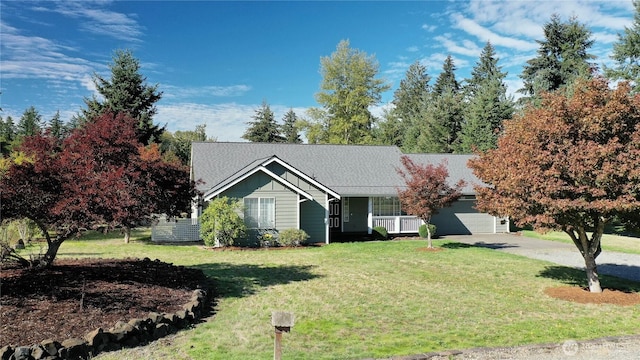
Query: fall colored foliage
(426, 190)
(99, 176)
(570, 164)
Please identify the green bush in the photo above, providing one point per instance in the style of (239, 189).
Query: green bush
(221, 224)
(292, 237)
(380, 233)
(422, 230)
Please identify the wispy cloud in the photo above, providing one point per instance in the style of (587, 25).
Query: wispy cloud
(484, 34)
(176, 92)
(467, 47)
(98, 20)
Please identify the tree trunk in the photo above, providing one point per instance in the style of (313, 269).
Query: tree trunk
(429, 242)
(592, 273)
(127, 234)
(52, 251)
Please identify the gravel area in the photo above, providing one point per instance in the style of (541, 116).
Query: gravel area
(610, 263)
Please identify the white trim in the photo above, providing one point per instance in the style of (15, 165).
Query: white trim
(211, 193)
(327, 230)
(302, 175)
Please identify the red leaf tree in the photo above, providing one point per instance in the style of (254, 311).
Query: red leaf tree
(570, 164)
(426, 190)
(100, 176)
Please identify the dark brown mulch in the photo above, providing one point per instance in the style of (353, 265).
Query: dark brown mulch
(75, 297)
(583, 296)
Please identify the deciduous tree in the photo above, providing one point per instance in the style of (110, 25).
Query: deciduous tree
(427, 190)
(99, 176)
(571, 164)
(348, 89)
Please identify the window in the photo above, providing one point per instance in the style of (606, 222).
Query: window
(260, 213)
(386, 206)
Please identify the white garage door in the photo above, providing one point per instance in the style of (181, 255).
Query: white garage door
(462, 218)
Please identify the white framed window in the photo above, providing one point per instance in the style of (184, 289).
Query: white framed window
(260, 213)
(386, 206)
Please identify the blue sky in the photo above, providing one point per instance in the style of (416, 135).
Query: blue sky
(217, 61)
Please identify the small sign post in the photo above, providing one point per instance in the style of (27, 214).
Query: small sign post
(282, 321)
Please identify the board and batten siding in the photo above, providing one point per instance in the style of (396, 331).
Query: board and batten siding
(262, 185)
(313, 213)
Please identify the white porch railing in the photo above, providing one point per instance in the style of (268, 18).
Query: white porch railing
(398, 224)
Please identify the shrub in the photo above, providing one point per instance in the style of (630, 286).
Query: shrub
(221, 224)
(422, 230)
(380, 233)
(292, 237)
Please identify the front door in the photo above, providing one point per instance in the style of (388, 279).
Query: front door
(335, 220)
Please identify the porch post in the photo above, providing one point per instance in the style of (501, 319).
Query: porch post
(370, 216)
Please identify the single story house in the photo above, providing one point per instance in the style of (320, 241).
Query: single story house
(328, 191)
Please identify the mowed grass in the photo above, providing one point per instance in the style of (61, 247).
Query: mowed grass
(610, 242)
(371, 299)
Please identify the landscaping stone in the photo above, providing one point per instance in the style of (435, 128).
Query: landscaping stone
(74, 348)
(38, 352)
(22, 353)
(6, 352)
(51, 346)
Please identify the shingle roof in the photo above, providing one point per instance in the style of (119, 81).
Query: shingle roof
(350, 170)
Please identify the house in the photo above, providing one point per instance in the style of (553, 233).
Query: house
(328, 190)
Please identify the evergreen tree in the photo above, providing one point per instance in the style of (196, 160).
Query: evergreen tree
(56, 126)
(290, 128)
(349, 88)
(30, 123)
(402, 124)
(443, 113)
(263, 128)
(626, 52)
(7, 135)
(562, 57)
(127, 92)
(446, 81)
(488, 104)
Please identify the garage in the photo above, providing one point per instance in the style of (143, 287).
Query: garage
(462, 218)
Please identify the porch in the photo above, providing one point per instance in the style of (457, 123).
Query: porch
(403, 224)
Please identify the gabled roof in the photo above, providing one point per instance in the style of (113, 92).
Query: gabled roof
(347, 170)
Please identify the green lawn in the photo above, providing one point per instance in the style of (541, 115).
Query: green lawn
(373, 299)
(610, 242)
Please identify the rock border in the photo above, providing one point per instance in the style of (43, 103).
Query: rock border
(129, 334)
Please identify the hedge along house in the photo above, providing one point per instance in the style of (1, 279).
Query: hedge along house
(329, 191)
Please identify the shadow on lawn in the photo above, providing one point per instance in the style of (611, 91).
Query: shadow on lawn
(494, 246)
(577, 277)
(239, 280)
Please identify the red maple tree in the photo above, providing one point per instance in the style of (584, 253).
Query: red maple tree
(100, 176)
(570, 164)
(427, 190)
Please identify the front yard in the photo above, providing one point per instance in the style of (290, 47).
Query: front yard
(373, 299)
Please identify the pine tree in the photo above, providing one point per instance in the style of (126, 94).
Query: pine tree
(264, 127)
(30, 123)
(562, 57)
(290, 128)
(401, 125)
(626, 52)
(7, 135)
(127, 92)
(488, 104)
(443, 113)
(56, 126)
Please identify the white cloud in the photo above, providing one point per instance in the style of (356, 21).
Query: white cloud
(483, 34)
(99, 21)
(467, 48)
(175, 92)
(225, 122)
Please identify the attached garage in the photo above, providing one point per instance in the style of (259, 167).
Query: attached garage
(462, 219)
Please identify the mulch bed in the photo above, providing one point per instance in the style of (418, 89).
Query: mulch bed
(75, 297)
(583, 296)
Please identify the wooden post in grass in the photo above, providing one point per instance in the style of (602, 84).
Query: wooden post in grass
(282, 321)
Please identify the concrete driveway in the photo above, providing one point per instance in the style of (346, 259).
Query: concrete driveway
(609, 263)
